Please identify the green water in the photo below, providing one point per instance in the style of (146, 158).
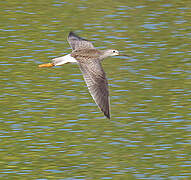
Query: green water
(50, 127)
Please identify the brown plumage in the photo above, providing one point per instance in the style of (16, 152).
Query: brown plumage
(94, 76)
(89, 60)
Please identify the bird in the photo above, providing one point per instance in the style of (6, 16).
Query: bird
(89, 61)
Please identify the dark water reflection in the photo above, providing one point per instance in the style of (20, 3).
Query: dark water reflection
(50, 126)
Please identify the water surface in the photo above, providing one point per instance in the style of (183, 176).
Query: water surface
(50, 126)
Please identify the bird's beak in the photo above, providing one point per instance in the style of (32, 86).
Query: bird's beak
(46, 65)
(123, 55)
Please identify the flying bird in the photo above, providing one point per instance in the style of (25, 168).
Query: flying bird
(89, 60)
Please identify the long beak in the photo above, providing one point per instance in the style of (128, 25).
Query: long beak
(46, 65)
(123, 55)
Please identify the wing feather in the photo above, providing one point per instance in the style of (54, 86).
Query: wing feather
(96, 81)
(77, 42)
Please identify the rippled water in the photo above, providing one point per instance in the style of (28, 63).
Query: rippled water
(50, 126)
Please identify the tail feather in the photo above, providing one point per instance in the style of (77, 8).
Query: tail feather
(59, 61)
(63, 60)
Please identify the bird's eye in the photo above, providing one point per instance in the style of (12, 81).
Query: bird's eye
(114, 51)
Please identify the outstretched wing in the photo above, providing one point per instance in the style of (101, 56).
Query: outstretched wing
(96, 81)
(77, 42)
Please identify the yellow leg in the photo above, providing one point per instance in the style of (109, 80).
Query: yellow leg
(46, 65)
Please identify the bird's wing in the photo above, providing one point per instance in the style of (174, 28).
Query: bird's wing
(96, 81)
(77, 42)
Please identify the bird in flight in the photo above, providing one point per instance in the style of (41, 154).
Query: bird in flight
(89, 60)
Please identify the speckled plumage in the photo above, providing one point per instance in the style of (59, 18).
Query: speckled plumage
(94, 76)
(89, 60)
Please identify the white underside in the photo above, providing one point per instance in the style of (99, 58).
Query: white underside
(63, 60)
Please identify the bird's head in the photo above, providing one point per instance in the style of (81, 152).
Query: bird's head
(112, 52)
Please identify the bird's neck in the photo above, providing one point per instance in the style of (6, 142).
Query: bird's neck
(104, 54)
